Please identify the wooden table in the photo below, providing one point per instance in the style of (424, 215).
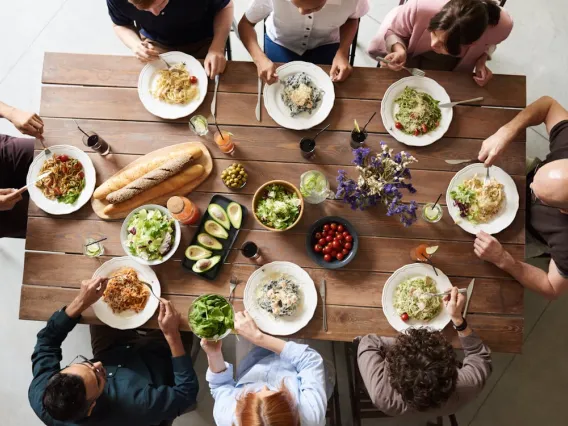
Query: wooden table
(100, 92)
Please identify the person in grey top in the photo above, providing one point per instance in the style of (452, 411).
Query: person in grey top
(418, 371)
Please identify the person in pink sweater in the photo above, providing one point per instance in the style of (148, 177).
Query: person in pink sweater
(455, 35)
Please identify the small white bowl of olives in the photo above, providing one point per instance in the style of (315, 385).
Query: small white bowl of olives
(234, 176)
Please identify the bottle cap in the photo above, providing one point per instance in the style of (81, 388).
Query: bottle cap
(175, 205)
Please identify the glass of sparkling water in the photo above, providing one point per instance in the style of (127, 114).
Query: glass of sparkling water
(93, 250)
(432, 212)
(199, 125)
(314, 187)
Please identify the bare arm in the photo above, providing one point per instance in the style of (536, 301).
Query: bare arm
(265, 67)
(340, 68)
(222, 27)
(145, 52)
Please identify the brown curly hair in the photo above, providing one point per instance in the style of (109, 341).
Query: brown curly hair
(422, 367)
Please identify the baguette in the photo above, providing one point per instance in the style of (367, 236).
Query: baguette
(150, 179)
(121, 179)
(172, 184)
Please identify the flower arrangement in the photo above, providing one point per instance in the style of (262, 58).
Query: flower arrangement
(381, 176)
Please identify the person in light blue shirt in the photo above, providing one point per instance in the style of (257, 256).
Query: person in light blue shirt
(278, 383)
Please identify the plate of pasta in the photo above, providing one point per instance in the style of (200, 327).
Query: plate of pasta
(405, 300)
(126, 302)
(302, 98)
(476, 205)
(69, 184)
(411, 114)
(176, 91)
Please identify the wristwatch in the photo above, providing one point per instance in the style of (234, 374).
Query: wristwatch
(460, 327)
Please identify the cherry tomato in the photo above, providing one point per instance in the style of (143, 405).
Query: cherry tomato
(327, 258)
(193, 79)
(398, 125)
(318, 248)
(336, 245)
(340, 228)
(404, 317)
(333, 226)
(326, 250)
(340, 237)
(329, 238)
(63, 158)
(348, 246)
(345, 252)
(424, 128)
(416, 132)
(318, 235)
(333, 253)
(349, 239)
(321, 241)
(326, 227)
(339, 256)
(81, 175)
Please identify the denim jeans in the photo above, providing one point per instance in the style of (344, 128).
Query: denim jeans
(322, 55)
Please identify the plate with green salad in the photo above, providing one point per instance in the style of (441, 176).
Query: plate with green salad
(150, 235)
(211, 317)
(411, 114)
(278, 205)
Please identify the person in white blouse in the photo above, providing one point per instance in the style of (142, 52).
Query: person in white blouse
(278, 383)
(316, 31)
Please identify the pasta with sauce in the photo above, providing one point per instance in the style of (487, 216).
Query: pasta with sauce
(125, 291)
(66, 180)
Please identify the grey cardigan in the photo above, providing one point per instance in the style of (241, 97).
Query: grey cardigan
(471, 376)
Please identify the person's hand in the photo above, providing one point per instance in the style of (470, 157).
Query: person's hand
(8, 198)
(215, 63)
(340, 68)
(211, 348)
(27, 122)
(246, 327)
(267, 71)
(168, 319)
(482, 73)
(91, 290)
(487, 248)
(455, 303)
(397, 60)
(145, 51)
(493, 147)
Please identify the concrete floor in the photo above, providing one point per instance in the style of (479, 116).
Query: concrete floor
(524, 389)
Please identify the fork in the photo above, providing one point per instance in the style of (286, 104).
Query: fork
(486, 180)
(140, 281)
(46, 150)
(445, 293)
(414, 71)
(233, 285)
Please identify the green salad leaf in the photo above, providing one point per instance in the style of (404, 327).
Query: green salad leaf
(211, 316)
(150, 234)
(279, 208)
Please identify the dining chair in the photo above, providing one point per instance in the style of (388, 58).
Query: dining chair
(333, 413)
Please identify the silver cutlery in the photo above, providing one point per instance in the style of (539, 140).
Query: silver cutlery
(487, 178)
(258, 102)
(322, 294)
(453, 104)
(140, 281)
(214, 103)
(469, 293)
(414, 71)
(444, 293)
(233, 285)
(25, 188)
(46, 150)
(454, 162)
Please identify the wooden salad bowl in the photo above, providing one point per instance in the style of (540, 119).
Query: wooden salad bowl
(260, 193)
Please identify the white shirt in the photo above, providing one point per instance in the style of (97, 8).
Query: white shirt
(299, 33)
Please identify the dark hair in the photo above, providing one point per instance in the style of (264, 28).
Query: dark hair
(464, 21)
(422, 367)
(65, 397)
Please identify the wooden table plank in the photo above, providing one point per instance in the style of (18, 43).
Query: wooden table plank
(501, 333)
(375, 254)
(333, 147)
(491, 296)
(240, 77)
(238, 109)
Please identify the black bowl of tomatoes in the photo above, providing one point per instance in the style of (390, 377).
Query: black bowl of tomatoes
(332, 242)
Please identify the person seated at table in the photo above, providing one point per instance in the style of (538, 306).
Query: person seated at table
(547, 199)
(278, 383)
(16, 155)
(129, 381)
(419, 372)
(455, 35)
(317, 31)
(197, 27)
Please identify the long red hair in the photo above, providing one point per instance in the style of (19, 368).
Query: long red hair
(278, 409)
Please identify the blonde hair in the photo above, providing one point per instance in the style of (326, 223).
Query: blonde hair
(278, 409)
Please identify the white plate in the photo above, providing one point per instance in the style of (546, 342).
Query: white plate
(280, 112)
(124, 231)
(281, 326)
(508, 210)
(53, 206)
(389, 108)
(127, 319)
(410, 271)
(149, 75)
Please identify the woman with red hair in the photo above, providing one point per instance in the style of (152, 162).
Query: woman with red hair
(278, 383)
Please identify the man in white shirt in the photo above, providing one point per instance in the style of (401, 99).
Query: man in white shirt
(317, 31)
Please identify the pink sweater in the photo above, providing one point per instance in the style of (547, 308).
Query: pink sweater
(410, 21)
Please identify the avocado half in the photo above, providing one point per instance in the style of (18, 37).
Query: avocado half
(209, 242)
(219, 215)
(216, 230)
(235, 213)
(203, 265)
(197, 253)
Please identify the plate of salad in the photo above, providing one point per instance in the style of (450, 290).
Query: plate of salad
(278, 205)
(211, 317)
(150, 235)
(411, 114)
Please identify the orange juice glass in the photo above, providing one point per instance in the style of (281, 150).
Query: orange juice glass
(225, 143)
(418, 254)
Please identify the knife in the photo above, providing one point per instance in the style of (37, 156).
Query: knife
(25, 188)
(214, 103)
(259, 100)
(454, 162)
(322, 294)
(453, 104)
(469, 292)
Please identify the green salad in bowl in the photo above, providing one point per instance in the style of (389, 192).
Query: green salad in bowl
(278, 205)
(211, 317)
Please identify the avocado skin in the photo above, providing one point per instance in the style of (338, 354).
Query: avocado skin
(214, 229)
(207, 253)
(236, 220)
(224, 221)
(216, 245)
(212, 262)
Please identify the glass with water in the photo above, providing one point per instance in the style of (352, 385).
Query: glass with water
(314, 187)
